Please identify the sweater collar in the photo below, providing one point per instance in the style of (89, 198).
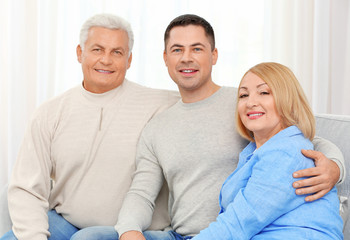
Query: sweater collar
(101, 99)
(285, 133)
(204, 101)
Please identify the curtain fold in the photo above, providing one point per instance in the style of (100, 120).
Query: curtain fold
(288, 28)
(331, 57)
(312, 38)
(321, 57)
(339, 97)
(4, 41)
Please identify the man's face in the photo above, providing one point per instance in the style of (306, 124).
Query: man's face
(105, 59)
(189, 58)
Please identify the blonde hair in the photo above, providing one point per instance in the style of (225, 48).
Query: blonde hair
(290, 99)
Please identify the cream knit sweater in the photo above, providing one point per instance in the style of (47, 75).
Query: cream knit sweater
(86, 143)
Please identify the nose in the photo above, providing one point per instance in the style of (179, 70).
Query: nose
(106, 59)
(186, 56)
(252, 101)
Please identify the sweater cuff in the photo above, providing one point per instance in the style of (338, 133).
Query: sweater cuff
(341, 173)
(121, 229)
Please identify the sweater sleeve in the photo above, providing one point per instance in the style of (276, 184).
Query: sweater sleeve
(138, 206)
(332, 152)
(267, 195)
(29, 187)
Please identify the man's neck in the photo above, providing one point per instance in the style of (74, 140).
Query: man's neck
(193, 96)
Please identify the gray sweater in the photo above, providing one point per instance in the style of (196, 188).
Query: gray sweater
(194, 147)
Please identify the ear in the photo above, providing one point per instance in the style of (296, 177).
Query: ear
(129, 60)
(79, 53)
(165, 58)
(214, 56)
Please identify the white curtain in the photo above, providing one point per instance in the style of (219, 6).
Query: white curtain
(312, 37)
(39, 37)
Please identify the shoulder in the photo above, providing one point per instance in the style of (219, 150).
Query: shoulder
(46, 115)
(289, 139)
(168, 116)
(53, 104)
(226, 97)
(151, 101)
(286, 145)
(230, 89)
(229, 92)
(164, 122)
(151, 94)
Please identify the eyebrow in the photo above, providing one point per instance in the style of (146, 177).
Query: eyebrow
(192, 45)
(197, 44)
(113, 49)
(260, 85)
(96, 45)
(176, 45)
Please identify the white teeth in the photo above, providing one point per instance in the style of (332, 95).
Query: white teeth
(103, 71)
(255, 114)
(187, 71)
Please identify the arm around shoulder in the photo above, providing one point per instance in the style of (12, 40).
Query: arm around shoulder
(332, 152)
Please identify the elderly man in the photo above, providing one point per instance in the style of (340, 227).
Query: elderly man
(84, 142)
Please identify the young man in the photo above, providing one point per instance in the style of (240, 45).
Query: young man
(194, 145)
(85, 141)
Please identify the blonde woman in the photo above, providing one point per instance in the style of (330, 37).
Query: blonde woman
(257, 200)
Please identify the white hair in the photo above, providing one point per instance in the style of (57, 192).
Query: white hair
(109, 21)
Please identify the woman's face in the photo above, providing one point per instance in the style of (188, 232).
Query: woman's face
(257, 108)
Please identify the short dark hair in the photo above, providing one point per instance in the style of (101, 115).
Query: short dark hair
(191, 19)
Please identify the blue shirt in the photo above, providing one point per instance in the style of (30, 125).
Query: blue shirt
(258, 200)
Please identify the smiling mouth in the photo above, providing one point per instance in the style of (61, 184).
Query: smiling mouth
(255, 114)
(104, 71)
(188, 71)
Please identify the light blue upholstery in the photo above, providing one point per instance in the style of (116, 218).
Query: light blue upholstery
(332, 127)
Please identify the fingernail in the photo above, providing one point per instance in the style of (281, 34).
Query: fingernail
(298, 191)
(295, 175)
(296, 184)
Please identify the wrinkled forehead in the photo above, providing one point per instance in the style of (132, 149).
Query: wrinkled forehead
(113, 38)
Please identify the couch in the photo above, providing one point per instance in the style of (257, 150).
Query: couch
(335, 128)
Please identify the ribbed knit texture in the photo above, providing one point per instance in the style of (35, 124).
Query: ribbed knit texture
(86, 142)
